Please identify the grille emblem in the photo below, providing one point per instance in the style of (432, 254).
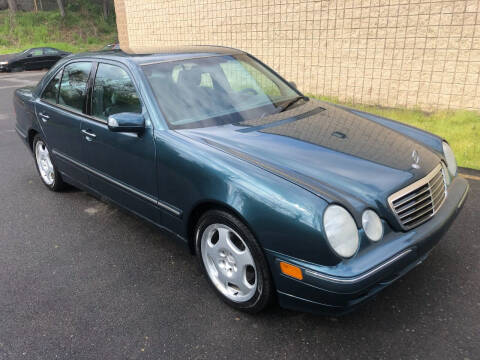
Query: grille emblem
(416, 159)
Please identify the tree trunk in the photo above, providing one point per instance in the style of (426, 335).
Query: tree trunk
(61, 8)
(12, 5)
(105, 9)
(40, 5)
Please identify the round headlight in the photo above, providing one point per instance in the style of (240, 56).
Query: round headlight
(372, 225)
(450, 158)
(341, 231)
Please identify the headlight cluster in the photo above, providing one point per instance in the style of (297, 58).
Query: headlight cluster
(450, 159)
(342, 233)
(3, 62)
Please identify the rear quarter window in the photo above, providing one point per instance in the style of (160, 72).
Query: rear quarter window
(51, 90)
(73, 86)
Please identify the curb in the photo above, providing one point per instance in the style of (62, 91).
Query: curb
(470, 174)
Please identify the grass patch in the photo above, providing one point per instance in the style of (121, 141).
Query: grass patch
(461, 128)
(83, 28)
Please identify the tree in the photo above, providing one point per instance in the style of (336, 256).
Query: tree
(106, 8)
(62, 9)
(12, 5)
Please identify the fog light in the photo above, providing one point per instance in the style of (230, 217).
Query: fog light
(291, 270)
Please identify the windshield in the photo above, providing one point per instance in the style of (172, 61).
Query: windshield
(216, 90)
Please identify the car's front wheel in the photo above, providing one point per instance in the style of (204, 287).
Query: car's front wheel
(46, 169)
(233, 261)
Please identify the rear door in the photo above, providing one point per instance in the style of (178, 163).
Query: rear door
(122, 164)
(60, 111)
(51, 57)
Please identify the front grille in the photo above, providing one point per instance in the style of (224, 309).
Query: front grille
(419, 201)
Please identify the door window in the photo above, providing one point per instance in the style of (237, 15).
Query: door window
(74, 85)
(113, 92)
(51, 90)
(36, 52)
(49, 51)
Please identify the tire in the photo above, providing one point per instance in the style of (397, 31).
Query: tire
(17, 69)
(233, 262)
(48, 172)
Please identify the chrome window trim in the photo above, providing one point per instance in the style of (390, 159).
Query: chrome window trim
(146, 197)
(185, 59)
(359, 277)
(417, 184)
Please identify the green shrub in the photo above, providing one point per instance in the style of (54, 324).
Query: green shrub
(83, 28)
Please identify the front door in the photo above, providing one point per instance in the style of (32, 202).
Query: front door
(122, 164)
(35, 59)
(60, 111)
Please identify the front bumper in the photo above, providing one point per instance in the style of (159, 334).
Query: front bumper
(339, 289)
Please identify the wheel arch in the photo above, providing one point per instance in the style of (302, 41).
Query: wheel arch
(201, 208)
(30, 136)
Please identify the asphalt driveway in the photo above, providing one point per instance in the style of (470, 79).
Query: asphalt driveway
(80, 279)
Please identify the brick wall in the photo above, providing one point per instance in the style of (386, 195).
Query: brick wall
(413, 53)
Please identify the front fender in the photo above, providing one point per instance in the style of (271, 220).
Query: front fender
(283, 217)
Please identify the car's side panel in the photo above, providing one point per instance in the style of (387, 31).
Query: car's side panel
(62, 133)
(25, 111)
(281, 215)
(122, 166)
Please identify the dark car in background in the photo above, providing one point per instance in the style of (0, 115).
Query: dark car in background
(31, 59)
(279, 195)
(114, 46)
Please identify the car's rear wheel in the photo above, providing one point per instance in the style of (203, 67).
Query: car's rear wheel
(233, 261)
(45, 167)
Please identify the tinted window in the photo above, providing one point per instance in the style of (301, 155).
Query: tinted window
(48, 51)
(51, 90)
(113, 92)
(74, 85)
(36, 52)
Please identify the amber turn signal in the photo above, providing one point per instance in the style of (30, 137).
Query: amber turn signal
(291, 270)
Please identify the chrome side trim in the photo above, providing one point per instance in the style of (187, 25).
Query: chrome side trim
(148, 198)
(464, 196)
(185, 59)
(360, 277)
(20, 132)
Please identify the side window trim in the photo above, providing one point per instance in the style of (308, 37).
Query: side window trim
(59, 84)
(46, 85)
(92, 87)
(83, 112)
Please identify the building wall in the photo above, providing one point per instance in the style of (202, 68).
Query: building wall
(414, 53)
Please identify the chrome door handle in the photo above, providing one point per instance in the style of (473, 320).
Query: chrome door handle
(44, 117)
(88, 134)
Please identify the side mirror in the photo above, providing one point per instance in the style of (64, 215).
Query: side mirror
(293, 84)
(126, 122)
(29, 55)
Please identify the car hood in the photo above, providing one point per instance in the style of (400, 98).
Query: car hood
(333, 152)
(7, 57)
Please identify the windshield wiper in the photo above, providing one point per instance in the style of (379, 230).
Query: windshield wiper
(293, 102)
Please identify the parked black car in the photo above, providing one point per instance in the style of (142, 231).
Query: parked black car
(31, 59)
(115, 46)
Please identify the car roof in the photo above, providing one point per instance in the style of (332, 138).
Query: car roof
(160, 54)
